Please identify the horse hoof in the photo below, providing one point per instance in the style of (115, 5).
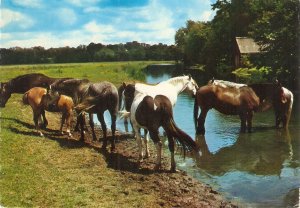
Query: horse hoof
(41, 134)
(173, 170)
(157, 167)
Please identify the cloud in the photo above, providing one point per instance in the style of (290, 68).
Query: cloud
(82, 3)
(17, 19)
(67, 16)
(28, 3)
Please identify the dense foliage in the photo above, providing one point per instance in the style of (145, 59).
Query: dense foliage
(274, 25)
(94, 52)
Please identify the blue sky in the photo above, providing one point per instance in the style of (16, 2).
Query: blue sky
(59, 23)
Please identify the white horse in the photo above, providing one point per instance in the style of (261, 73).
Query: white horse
(170, 88)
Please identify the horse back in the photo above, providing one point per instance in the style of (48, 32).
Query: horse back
(23, 83)
(34, 96)
(151, 112)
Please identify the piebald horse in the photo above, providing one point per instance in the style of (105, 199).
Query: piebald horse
(170, 88)
(151, 112)
(239, 99)
(92, 98)
(40, 101)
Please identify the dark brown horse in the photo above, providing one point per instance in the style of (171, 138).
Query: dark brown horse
(151, 113)
(40, 101)
(94, 98)
(234, 99)
(22, 84)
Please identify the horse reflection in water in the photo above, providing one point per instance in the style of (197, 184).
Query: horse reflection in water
(250, 154)
(243, 100)
(40, 101)
(92, 98)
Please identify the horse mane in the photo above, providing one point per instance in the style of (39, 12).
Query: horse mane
(175, 80)
(226, 84)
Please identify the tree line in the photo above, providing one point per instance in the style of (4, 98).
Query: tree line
(273, 24)
(94, 52)
(210, 46)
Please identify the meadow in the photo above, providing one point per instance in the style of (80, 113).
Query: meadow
(55, 172)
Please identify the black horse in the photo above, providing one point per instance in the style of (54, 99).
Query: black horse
(22, 84)
(92, 98)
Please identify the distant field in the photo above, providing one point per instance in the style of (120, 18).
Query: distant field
(115, 72)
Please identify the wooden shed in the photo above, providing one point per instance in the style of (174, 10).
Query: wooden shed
(244, 46)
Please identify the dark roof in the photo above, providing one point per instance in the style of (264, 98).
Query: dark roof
(247, 45)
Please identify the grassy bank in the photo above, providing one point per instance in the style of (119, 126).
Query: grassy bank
(54, 171)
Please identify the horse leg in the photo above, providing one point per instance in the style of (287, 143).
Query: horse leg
(243, 117)
(146, 140)
(36, 116)
(104, 129)
(80, 119)
(68, 122)
(201, 121)
(45, 121)
(91, 122)
(154, 136)
(63, 118)
(113, 115)
(139, 143)
(249, 120)
(172, 149)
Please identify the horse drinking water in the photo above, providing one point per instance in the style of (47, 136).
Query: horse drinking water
(40, 101)
(92, 98)
(237, 99)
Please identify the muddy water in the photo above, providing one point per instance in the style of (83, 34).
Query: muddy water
(261, 169)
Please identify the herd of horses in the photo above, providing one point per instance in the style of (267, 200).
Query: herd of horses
(148, 106)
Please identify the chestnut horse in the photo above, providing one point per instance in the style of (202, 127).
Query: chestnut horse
(92, 98)
(22, 84)
(40, 101)
(151, 112)
(236, 99)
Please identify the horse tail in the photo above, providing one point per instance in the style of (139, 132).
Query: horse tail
(25, 98)
(124, 114)
(181, 137)
(86, 104)
(196, 111)
(289, 110)
(120, 93)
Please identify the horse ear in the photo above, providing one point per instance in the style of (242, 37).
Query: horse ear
(190, 77)
(124, 84)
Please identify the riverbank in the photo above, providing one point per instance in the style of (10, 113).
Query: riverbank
(55, 171)
(58, 171)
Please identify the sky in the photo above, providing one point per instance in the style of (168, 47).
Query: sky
(60, 23)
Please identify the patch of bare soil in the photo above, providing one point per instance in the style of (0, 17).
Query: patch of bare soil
(174, 189)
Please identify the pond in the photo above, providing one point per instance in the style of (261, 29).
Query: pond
(260, 169)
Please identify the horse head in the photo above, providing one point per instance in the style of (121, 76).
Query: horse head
(51, 98)
(191, 85)
(5, 93)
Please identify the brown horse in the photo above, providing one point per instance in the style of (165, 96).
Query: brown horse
(92, 98)
(151, 113)
(234, 99)
(22, 84)
(40, 101)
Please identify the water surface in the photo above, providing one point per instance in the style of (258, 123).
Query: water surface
(260, 169)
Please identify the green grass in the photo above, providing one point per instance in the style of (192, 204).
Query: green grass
(115, 72)
(54, 172)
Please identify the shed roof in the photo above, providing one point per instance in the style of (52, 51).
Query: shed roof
(247, 45)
